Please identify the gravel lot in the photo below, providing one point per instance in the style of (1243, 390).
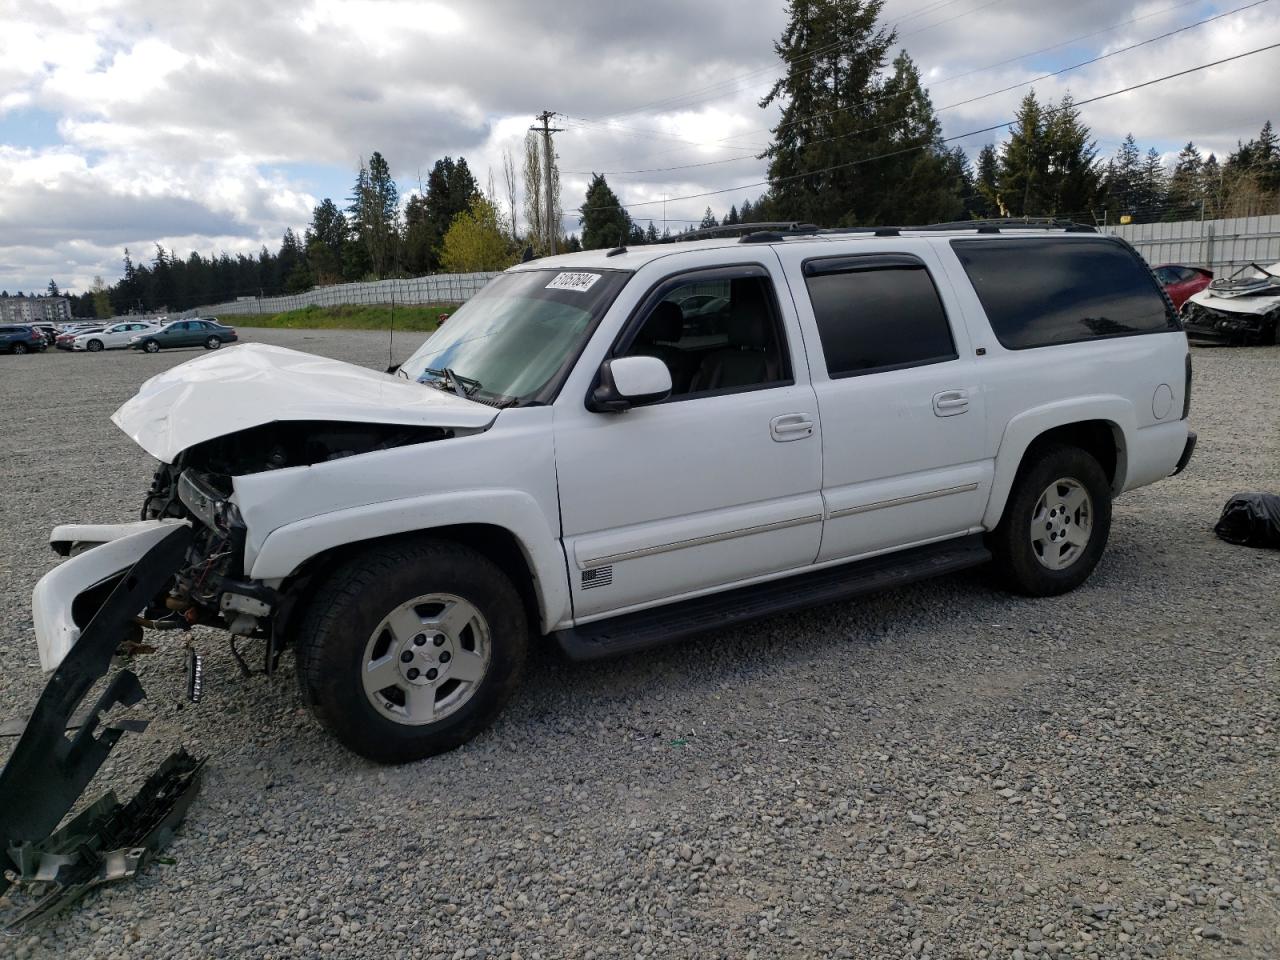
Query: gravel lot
(942, 771)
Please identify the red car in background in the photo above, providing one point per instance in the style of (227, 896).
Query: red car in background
(1181, 282)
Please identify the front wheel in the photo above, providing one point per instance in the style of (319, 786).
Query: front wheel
(93, 346)
(151, 346)
(19, 348)
(213, 343)
(1056, 523)
(411, 649)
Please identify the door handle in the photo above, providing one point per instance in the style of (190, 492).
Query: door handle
(790, 426)
(948, 403)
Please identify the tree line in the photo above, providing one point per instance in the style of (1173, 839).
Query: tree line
(857, 143)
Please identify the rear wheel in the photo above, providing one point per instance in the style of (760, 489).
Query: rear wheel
(151, 346)
(213, 343)
(411, 649)
(93, 346)
(1056, 523)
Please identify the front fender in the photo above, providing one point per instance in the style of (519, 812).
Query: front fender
(1023, 429)
(286, 548)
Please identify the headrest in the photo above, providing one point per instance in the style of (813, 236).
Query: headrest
(665, 324)
(748, 324)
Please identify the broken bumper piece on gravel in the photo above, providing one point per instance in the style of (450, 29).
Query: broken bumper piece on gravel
(48, 771)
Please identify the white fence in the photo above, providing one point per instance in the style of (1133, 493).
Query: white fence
(1218, 245)
(440, 288)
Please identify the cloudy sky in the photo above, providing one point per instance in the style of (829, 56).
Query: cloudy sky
(214, 126)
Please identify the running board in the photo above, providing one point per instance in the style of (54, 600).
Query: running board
(675, 621)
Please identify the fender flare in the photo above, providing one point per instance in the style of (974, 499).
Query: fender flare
(286, 548)
(1026, 427)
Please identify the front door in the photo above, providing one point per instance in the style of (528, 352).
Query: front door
(716, 485)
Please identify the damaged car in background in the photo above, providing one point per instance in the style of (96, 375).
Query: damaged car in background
(1243, 309)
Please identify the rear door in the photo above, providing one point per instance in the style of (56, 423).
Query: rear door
(903, 410)
(717, 485)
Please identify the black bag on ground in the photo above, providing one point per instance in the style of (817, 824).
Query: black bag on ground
(1251, 519)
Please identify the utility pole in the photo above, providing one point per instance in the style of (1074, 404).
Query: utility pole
(553, 229)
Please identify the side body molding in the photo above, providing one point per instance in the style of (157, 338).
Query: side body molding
(288, 547)
(1023, 429)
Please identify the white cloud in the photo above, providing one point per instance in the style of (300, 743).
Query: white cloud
(189, 123)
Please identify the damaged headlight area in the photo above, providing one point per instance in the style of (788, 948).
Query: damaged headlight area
(1202, 322)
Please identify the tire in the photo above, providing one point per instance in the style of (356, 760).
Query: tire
(19, 349)
(1038, 547)
(93, 346)
(348, 626)
(151, 346)
(213, 343)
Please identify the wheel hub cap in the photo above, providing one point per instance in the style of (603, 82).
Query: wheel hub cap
(1061, 523)
(426, 659)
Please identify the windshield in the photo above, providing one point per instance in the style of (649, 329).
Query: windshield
(508, 341)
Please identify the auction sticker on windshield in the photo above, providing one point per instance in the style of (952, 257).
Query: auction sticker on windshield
(579, 282)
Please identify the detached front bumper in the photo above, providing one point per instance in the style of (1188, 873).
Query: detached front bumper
(60, 603)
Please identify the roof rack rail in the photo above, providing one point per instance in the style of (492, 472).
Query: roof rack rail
(1012, 223)
(785, 226)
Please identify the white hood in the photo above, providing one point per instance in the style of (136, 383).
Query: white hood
(1251, 303)
(253, 384)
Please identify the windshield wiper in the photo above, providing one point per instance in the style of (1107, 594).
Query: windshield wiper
(462, 386)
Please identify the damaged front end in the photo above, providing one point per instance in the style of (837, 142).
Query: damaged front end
(1242, 309)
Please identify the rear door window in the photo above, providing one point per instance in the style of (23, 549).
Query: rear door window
(876, 313)
(1041, 291)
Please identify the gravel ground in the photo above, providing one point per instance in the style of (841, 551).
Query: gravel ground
(942, 771)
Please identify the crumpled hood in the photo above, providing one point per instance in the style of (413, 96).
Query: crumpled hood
(253, 384)
(1251, 303)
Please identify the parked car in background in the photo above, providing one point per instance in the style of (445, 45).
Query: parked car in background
(21, 338)
(1181, 282)
(64, 340)
(116, 336)
(1241, 309)
(204, 332)
(48, 331)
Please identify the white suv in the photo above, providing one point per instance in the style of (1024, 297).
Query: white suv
(575, 454)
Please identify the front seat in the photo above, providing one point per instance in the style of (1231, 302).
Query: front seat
(748, 359)
(664, 327)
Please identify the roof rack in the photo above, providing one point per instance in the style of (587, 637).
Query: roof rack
(771, 232)
(783, 227)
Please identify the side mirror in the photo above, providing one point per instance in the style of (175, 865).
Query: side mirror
(627, 382)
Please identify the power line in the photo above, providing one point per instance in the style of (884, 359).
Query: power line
(960, 136)
(950, 106)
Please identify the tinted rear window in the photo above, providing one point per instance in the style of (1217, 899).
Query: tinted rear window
(877, 312)
(1048, 290)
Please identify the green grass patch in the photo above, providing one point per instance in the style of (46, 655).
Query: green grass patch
(421, 318)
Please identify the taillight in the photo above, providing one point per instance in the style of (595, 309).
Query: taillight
(1186, 396)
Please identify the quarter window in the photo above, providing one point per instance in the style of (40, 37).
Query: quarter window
(1040, 291)
(876, 313)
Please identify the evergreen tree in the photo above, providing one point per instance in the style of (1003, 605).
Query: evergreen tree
(651, 235)
(604, 222)
(1153, 188)
(1121, 184)
(326, 241)
(829, 94)
(375, 213)
(1072, 179)
(748, 212)
(1211, 189)
(418, 246)
(731, 219)
(635, 237)
(53, 290)
(987, 184)
(1024, 163)
(708, 220)
(451, 188)
(1185, 188)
